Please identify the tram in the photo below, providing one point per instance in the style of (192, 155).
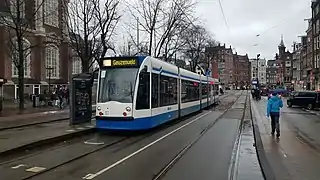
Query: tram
(142, 92)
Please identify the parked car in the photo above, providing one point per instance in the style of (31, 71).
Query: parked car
(309, 99)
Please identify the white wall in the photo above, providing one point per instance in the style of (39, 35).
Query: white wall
(262, 74)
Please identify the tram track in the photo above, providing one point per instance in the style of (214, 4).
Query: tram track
(121, 142)
(185, 149)
(38, 147)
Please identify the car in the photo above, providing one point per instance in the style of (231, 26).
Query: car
(308, 99)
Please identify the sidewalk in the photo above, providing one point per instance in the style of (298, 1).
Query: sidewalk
(28, 110)
(287, 158)
(35, 118)
(24, 119)
(24, 140)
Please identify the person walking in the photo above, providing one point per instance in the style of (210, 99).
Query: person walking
(273, 110)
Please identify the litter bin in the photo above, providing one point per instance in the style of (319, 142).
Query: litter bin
(35, 100)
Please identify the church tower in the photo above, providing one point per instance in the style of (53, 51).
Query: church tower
(281, 47)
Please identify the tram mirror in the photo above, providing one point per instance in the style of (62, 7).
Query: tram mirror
(145, 69)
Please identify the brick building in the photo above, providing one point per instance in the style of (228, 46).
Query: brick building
(49, 56)
(315, 38)
(223, 61)
(306, 56)
(271, 73)
(242, 70)
(284, 59)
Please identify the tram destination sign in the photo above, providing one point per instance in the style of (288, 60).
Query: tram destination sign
(120, 62)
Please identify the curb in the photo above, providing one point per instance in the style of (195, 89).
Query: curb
(233, 169)
(266, 169)
(31, 124)
(36, 123)
(44, 142)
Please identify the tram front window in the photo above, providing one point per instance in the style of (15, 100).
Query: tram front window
(117, 85)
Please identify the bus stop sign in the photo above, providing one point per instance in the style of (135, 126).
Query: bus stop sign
(81, 102)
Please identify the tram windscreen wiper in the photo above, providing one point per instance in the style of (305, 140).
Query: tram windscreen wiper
(131, 91)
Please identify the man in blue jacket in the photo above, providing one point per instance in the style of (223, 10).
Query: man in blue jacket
(273, 110)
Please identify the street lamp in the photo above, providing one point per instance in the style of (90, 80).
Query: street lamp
(258, 56)
(49, 68)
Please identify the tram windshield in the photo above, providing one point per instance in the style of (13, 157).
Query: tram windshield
(117, 85)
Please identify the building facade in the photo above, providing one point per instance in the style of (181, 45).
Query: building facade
(47, 58)
(284, 59)
(223, 61)
(297, 63)
(241, 70)
(271, 73)
(262, 67)
(314, 74)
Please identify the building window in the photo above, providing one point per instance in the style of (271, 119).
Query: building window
(14, 8)
(26, 61)
(36, 89)
(51, 13)
(52, 61)
(76, 65)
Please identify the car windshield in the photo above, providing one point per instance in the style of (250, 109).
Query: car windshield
(117, 85)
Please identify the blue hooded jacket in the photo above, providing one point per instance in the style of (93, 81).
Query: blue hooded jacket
(274, 105)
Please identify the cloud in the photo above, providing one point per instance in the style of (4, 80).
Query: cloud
(247, 18)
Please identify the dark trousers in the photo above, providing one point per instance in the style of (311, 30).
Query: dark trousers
(275, 125)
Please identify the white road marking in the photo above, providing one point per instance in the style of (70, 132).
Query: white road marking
(70, 130)
(91, 176)
(79, 128)
(90, 126)
(94, 143)
(87, 176)
(35, 169)
(283, 153)
(18, 166)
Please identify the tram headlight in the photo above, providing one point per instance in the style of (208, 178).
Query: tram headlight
(98, 108)
(128, 109)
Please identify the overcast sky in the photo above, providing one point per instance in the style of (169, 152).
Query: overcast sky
(247, 18)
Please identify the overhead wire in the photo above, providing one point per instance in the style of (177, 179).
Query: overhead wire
(223, 15)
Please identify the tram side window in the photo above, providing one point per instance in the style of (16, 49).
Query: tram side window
(173, 89)
(189, 91)
(155, 90)
(216, 89)
(204, 90)
(168, 90)
(143, 98)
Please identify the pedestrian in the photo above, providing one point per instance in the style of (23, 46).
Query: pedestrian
(273, 110)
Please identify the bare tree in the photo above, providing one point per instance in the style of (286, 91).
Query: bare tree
(108, 18)
(162, 23)
(196, 38)
(20, 23)
(83, 30)
(177, 19)
(91, 27)
(148, 15)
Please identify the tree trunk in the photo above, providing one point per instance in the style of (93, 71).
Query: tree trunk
(150, 43)
(21, 73)
(85, 66)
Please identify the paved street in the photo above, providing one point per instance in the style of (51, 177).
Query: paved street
(295, 155)
(203, 146)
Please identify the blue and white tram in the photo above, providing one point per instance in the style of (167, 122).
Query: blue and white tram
(136, 93)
